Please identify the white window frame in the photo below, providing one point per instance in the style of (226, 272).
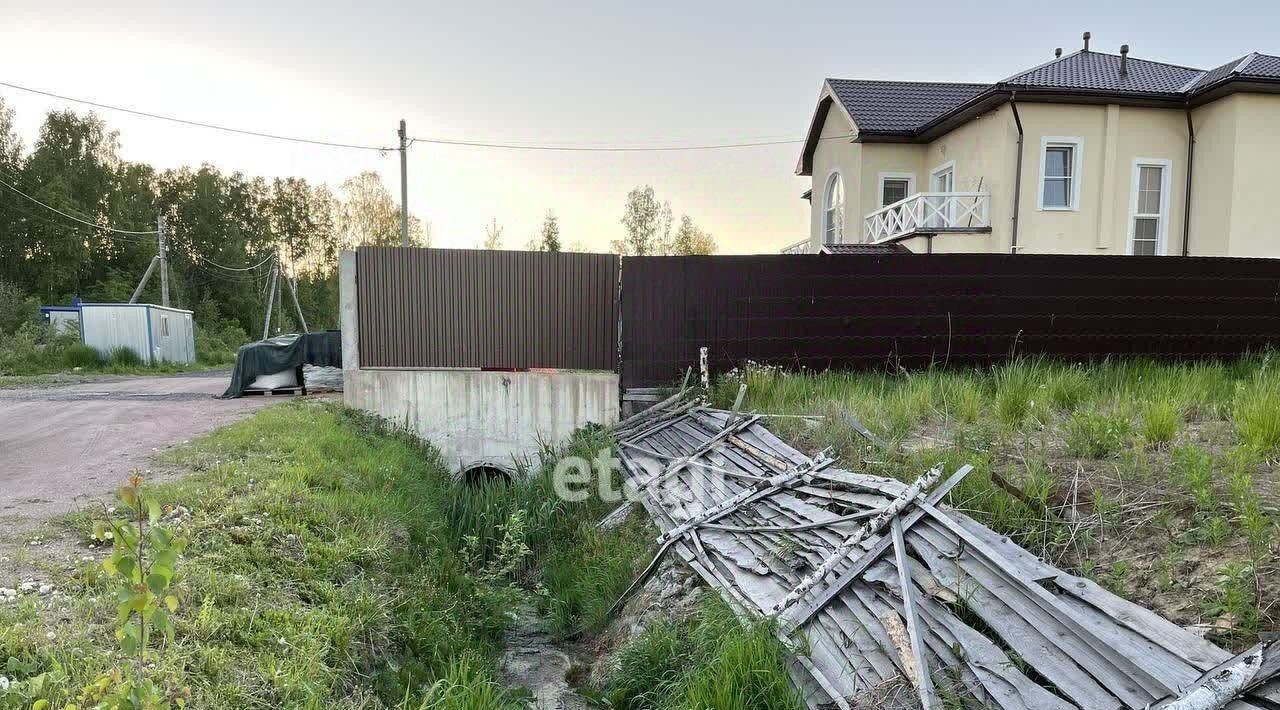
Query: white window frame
(1076, 143)
(882, 178)
(826, 207)
(949, 165)
(1166, 183)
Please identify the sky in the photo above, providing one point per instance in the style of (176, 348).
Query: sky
(567, 73)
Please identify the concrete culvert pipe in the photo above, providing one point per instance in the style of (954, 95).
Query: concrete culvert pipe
(481, 473)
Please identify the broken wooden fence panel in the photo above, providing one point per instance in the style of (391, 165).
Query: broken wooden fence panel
(771, 528)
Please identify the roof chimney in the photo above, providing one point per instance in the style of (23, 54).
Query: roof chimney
(1057, 53)
(1124, 61)
(1087, 36)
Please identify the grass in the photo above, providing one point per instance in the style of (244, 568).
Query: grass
(713, 662)
(1161, 421)
(335, 563)
(321, 573)
(36, 349)
(1257, 411)
(1096, 435)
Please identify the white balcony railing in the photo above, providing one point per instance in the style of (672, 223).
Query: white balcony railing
(803, 246)
(928, 212)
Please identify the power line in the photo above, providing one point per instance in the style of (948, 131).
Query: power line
(210, 262)
(107, 228)
(462, 142)
(608, 148)
(199, 124)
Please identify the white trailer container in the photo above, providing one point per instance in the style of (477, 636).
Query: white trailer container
(155, 333)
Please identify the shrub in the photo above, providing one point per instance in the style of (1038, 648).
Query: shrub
(1096, 435)
(33, 348)
(218, 341)
(1160, 421)
(16, 307)
(83, 356)
(125, 356)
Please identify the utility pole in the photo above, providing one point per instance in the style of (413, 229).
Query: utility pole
(404, 185)
(271, 301)
(164, 262)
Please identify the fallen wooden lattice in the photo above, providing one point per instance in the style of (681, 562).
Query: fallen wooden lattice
(873, 582)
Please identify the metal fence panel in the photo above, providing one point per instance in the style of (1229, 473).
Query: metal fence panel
(488, 309)
(851, 311)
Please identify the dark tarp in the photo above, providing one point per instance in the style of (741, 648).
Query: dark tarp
(284, 352)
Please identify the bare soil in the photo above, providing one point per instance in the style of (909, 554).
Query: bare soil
(63, 446)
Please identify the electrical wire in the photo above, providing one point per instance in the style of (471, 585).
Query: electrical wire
(501, 145)
(607, 148)
(210, 262)
(200, 124)
(87, 223)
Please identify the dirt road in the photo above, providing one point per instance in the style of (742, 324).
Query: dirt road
(63, 446)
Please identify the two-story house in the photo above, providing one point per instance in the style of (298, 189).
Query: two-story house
(1090, 153)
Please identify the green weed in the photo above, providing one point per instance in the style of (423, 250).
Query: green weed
(1236, 600)
(1092, 434)
(1193, 467)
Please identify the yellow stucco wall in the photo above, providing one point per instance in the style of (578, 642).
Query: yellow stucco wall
(1213, 177)
(1113, 138)
(1235, 205)
(836, 153)
(1255, 203)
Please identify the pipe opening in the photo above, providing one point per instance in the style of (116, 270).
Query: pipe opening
(482, 474)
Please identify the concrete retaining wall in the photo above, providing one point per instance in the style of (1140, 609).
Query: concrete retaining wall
(486, 417)
(472, 416)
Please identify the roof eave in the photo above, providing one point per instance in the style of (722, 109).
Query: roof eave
(1233, 84)
(826, 99)
(1001, 93)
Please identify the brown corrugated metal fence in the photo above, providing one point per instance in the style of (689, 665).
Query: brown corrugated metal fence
(834, 311)
(487, 309)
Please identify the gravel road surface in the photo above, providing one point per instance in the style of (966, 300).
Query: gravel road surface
(63, 446)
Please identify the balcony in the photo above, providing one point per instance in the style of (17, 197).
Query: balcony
(804, 246)
(929, 213)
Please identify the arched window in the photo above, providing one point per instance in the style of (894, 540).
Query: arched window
(833, 210)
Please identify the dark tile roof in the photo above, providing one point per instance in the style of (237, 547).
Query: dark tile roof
(905, 108)
(893, 106)
(1217, 73)
(864, 249)
(1101, 72)
(1262, 65)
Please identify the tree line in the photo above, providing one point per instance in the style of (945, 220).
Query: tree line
(219, 225)
(225, 230)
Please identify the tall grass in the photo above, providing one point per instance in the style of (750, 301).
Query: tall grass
(713, 662)
(1257, 410)
(467, 686)
(1161, 420)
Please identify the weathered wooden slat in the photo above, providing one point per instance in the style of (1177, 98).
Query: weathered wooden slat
(1122, 675)
(800, 613)
(929, 699)
(1002, 612)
